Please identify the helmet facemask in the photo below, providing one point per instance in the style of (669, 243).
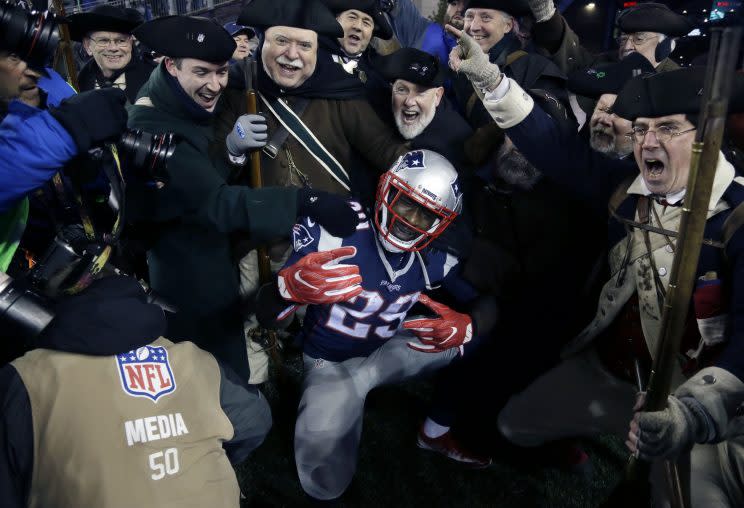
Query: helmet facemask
(406, 219)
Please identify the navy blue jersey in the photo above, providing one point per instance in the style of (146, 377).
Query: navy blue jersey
(391, 282)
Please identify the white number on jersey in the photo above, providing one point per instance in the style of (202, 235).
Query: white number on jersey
(346, 317)
(165, 462)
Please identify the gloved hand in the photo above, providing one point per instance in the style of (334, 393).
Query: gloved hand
(386, 5)
(331, 211)
(450, 329)
(666, 434)
(467, 57)
(319, 279)
(542, 10)
(699, 412)
(93, 117)
(248, 133)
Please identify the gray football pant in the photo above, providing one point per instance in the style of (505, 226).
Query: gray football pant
(329, 420)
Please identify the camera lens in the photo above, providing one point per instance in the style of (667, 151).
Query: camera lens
(33, 36)
(146, 154)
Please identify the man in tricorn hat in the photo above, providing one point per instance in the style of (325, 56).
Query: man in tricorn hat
(296, 80)
(106, 35)
(191, 216)
(421, 112)
(601, 84)
(361, 20)
(647, 28)
(599, 369)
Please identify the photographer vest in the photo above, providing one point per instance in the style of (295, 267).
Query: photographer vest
(641, 264)
(143, 428)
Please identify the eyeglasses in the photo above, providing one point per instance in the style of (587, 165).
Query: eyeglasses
(635, 39)
(120, 42)
(663, 133)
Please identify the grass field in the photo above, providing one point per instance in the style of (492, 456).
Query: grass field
(393, 472)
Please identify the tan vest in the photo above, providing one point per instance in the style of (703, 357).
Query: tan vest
(131, 430)
(638, 275)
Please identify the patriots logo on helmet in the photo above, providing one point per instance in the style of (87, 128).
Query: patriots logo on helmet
(456, 189)
(301, 237)
(414, 159)
(146, 372)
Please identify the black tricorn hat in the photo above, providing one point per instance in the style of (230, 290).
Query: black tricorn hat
(671, 93)
(383, 30)
(653, 17)
(412, 65)
(512, 7)
(608, 78)
(103, 18)
(187, 37)
(306, 14)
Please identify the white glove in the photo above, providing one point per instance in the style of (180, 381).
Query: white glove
(542, 10)
(468, 58)
(248, 133)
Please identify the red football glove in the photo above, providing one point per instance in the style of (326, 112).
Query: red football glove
(318, 279)
(451, 329)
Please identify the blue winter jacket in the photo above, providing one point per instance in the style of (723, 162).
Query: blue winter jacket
(33, 145)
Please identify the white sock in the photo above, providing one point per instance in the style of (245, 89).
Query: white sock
(433, 430)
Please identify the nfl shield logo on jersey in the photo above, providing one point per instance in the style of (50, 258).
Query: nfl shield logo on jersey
(146, 372)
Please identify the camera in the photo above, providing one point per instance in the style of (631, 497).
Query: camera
(145, 155)
(31, 35)
(70, 264)
(23, 312)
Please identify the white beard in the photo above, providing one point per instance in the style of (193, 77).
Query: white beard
(410, 131)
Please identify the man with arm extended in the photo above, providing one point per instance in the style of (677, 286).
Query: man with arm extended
(599, 369)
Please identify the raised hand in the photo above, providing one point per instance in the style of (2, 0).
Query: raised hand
(319, 279)
(468, 58)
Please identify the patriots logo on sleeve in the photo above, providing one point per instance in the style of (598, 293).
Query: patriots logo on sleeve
(146, 372)
(301, 237)
(414, 159)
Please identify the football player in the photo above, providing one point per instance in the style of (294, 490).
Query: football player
(354, 334)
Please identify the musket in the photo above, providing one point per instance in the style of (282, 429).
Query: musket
(250, 72)
(264, 264)
(706, 147)
(65, 46)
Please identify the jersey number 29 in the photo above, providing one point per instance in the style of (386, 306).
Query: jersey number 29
(357, 316)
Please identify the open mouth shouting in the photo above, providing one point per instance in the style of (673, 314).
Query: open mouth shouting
(410, 116)
(353, 40)
(653, 168)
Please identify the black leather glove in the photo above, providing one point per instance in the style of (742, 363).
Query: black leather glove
(331, 211)
(93, 117)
